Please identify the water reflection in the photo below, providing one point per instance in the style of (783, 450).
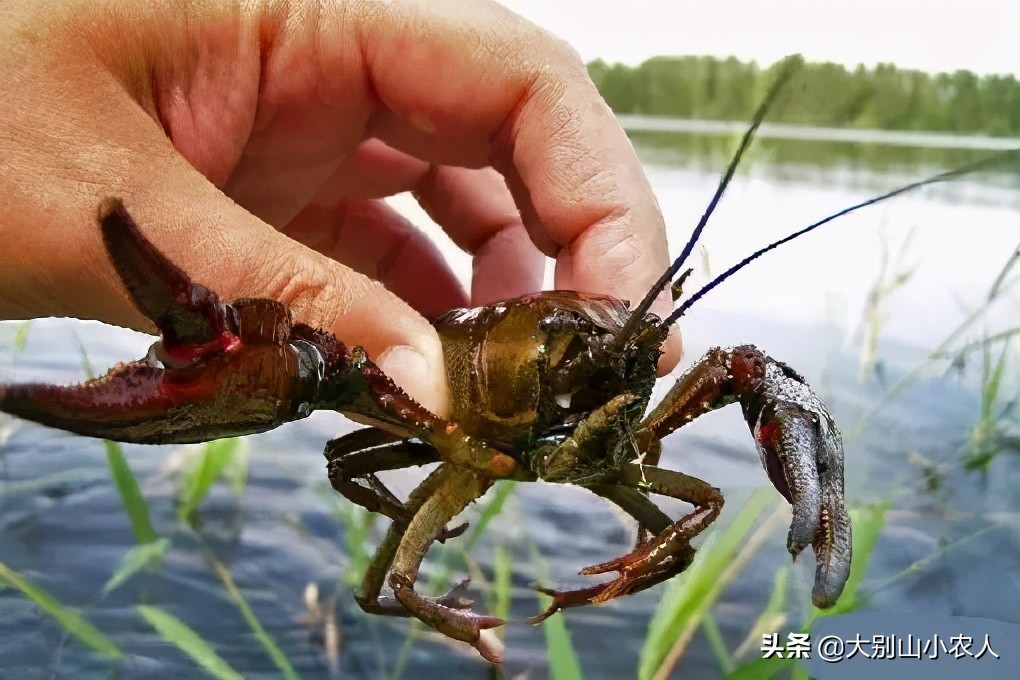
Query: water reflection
(857, 154)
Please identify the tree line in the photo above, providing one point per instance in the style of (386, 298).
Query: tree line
(827, 94)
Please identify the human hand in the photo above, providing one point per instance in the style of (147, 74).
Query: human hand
(254, 141)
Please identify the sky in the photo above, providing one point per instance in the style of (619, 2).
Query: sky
(930, 35)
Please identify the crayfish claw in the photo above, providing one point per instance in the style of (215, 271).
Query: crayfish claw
(832, 551)
(185, 312)
(218, 369)
(800, 474)
(802, 452)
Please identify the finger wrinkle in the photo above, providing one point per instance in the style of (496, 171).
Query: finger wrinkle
(614, 262)
(502, 140)
(601, 223)
(332, 51)
(594, 191)
(313, 298)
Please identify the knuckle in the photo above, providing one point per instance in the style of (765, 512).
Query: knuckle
(625, 258)
(317, 293)
(566, 52)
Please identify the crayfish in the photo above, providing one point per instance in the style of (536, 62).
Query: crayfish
(552, 386)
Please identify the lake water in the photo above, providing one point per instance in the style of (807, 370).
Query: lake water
(62, 525)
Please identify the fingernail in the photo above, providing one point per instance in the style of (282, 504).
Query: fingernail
(407, 367)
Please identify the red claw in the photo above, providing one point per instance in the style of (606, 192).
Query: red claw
(218, 370)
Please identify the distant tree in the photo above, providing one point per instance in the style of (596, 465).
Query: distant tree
(888, 107)
(1000, 105)
(883, 97)
(965, 113)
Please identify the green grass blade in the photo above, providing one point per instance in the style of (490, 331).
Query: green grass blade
(689, 596)
(213, 458)
(21, 337)
(559, 648)
(998, 287)
(716, 642)
(358, 524)
(177, 633)
(990, 393)
(130, 494)
(123, 478)
(134, 560)
(920, 565)
(984, 444)
(504, 489)
(867, 525)
(67, 619)
(500, 595)
(261, 634)
(236, 470)
(772, 618)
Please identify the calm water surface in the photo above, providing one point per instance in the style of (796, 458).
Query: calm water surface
(63, 527)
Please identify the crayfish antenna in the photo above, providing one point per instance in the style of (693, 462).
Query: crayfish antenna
(981, 164)
(787, 68)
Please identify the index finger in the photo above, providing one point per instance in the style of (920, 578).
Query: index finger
(470, 83)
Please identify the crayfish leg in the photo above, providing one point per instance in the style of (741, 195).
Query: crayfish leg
(354, 459)
(665, 555)
(437, 501)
